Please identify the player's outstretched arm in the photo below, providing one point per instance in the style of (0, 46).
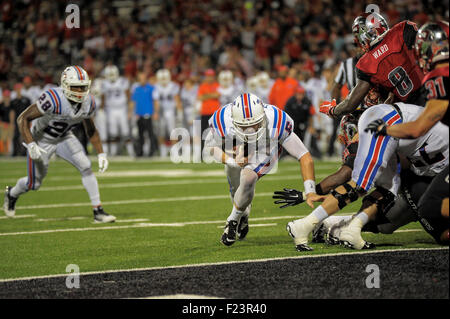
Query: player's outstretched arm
(350, 103)
(433, 113)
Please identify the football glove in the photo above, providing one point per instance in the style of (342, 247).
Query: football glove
(377, 127)
(102, 162)
(288, 197)
(35, 151)
(327, 107)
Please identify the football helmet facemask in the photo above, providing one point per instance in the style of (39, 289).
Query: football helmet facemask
(75, 83)
(431, 44)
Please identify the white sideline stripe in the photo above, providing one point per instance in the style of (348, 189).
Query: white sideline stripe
(135, 201)
(371, 252)
(140, 225)
(258, 225)
(17, 216)
(59, 219)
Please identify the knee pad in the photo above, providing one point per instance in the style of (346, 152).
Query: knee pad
(351, 194)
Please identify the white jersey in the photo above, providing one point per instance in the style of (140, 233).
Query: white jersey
(376, 160)
(59, 116)
(264, 93)
(278, 131)
(115, 94)
(165, 95)
(32, 92)
(227, 95)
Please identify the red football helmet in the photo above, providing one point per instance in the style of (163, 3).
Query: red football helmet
(432, 44)
(368, 28)
(348, 128)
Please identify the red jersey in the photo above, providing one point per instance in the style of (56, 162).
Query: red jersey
(436, 86)
(391, 64)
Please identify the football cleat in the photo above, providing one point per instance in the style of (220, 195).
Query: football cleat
(297, 231)
(318, 234)
(9, 206)
(242, 230)
(229, 235)
(100, 216)
(350, 237)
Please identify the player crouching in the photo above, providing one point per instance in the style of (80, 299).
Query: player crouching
(257, 131)
(51, 119)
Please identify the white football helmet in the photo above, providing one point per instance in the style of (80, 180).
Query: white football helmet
(75, 77)
(252, 84)
(248, 117)
(163, 77)
(225, 78)
(111, 73)
(263, 79)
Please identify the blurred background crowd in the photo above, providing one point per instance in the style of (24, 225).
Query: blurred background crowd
(177, 61)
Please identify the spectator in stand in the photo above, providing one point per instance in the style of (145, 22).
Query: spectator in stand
(208, 94)
(301, 110)
(283, 88)
(18, 105)
(7, 123)
(142, 99)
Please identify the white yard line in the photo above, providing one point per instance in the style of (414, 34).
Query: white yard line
(258, 225)
(367, 252)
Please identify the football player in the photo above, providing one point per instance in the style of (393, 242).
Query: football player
(388, 63)
(247, 136)
(168, 106)
(45, 128)
(227, 90)
(432, 51)
(265, 84)
(116, 97)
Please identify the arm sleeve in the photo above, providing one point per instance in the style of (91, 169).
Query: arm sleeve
(294, 146)
(409, 34)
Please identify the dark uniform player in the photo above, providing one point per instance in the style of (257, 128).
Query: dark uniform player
(432, 51)
(388, 64)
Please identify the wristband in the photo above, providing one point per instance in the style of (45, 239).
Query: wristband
(310, 186)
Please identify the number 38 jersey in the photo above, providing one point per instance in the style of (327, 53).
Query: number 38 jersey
(59, 116)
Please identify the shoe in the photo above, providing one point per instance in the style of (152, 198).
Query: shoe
(229, 235)
(350, 237)
(297, 231)
(242, 230)
(100, 216)
(318, 234)
(9, 206)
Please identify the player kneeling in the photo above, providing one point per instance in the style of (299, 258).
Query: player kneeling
(51, 119)
(247, 136)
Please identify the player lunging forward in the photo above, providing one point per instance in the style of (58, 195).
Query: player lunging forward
(257, 131)
(51, 118)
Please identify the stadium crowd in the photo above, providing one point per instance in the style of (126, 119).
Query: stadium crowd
(287, 51)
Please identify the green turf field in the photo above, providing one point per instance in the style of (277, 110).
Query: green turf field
(167, 214)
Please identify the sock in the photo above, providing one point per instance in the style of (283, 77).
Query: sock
(320, 213)
(114, 148)
(363, 218)
(91, 185)
(333, 220)
(105, 148)
(20, 188)
(130, 148)
(235, 215)
(163, 150)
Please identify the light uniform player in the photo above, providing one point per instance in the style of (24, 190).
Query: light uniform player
(115, 89)
(51, 117)
(100, 115)
(252, 85)
(265, 84)
(188, 96)
(376, 165)
(247, 136)
(166, 96)
(227, 90)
